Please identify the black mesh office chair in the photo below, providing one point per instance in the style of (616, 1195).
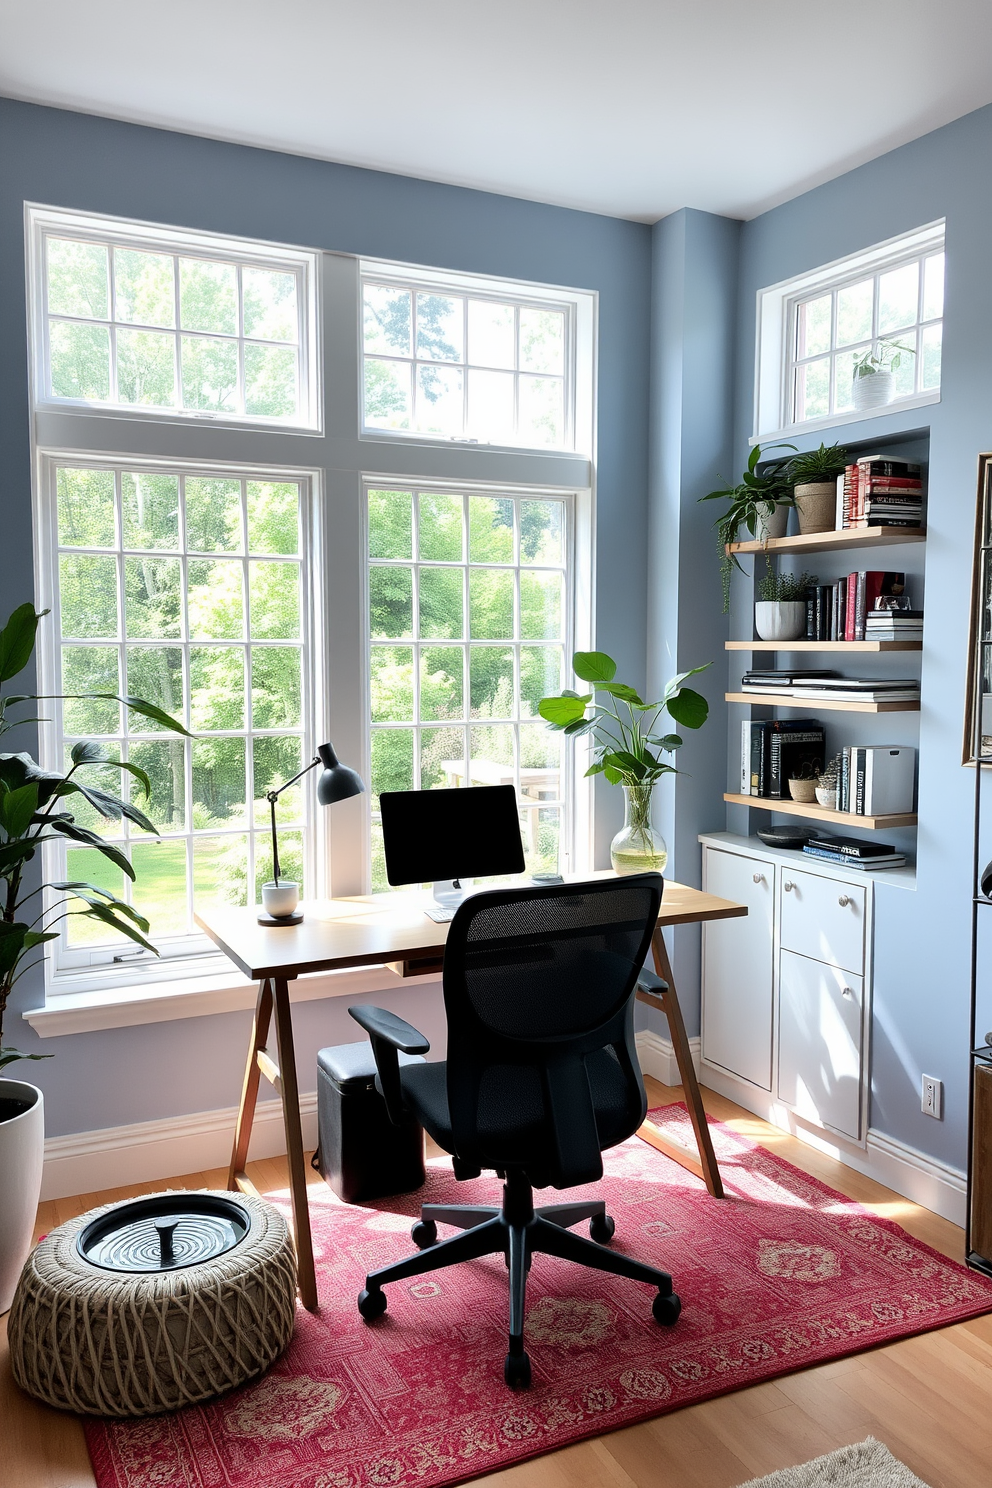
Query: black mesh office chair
(541, 1077)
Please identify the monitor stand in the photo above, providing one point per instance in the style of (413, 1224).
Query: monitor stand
(449, 892)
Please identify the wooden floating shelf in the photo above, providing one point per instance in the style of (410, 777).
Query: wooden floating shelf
(821, 813)
(851, 646)
(822, 542)
(810, 705)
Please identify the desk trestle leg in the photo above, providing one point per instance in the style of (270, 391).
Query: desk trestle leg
(274, 995)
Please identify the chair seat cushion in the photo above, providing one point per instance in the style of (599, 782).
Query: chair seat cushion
(513, 1125)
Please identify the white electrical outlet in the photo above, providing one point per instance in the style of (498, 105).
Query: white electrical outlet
(932, 1097)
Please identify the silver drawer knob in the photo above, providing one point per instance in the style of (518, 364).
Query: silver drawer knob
(758, 877)
(844, 901)
(847, 991)
(788, 886)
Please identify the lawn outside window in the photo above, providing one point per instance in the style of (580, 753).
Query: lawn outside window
(812, 329)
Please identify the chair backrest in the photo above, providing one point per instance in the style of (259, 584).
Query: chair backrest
(538, 990)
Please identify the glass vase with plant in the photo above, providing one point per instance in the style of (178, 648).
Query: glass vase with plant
(627, 746)
(753, 502)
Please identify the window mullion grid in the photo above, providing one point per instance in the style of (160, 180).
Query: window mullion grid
(186, 671)
(248, 708)
(465, 425)
(123, 716)
(516, 371)
(918, 359)
(832, 364)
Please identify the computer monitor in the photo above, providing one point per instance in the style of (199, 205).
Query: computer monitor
(447, 836)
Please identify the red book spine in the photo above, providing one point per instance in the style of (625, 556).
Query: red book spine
(849, 612)
(859, 607)
(893, 483)
(874, 579)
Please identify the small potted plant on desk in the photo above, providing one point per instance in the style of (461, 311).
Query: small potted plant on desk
(759, 505)
(814, 486)
(780, 611)
(874, 377)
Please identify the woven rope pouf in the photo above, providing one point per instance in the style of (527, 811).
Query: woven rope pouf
(104, 1343)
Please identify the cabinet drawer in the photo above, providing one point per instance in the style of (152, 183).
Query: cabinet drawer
(737, 969)
(820, 1062)
(824, 919)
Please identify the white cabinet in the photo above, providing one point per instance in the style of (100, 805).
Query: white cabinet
(737, 1001)
(820, 1073)
(786, 992)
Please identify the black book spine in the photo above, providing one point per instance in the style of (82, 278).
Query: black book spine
(859, 782)
(811, 614)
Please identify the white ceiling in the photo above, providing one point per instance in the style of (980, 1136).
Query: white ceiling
(632, 107)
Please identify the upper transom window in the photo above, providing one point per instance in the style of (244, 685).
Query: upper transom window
(456, 359)
(158, 321)
(886, 302)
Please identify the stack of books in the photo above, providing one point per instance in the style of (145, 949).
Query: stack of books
(876, 779)
(859, 689)
(770, 679)
(838, 612)
(775, 751)
(894, 625)
(848, 852)
(880, 491)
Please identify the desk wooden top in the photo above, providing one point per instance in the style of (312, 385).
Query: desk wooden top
(369, 929)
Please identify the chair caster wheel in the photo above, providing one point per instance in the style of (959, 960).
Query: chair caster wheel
(371, 1304)
(516, 1371)
(424, 1234)
(602, 1228)
(666, 1309)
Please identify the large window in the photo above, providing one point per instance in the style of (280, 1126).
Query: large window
(469, 605)
(887, 302)
(172, 322)
(483, 365)
(184, 587)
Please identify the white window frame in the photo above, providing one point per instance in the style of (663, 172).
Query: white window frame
(45, 222)
(92, 968)
(775, 332)
(579, 308)
(569, 857)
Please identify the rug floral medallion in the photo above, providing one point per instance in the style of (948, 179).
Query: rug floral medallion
(780, 1275)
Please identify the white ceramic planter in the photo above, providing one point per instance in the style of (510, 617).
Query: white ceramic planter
(280, 899)
(22, 1155)
(780, 619)
(771, 525)
(873, 391)
(816, 504)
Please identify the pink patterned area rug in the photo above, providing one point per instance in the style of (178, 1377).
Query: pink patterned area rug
(782, 1274)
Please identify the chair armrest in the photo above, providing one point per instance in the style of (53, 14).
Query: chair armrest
(389, 1035)
(382, 1024)
(650, 983)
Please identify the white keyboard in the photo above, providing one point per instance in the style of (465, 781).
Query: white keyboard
(442, 915)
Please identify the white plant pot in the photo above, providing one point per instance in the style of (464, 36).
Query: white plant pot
(772, 524)
(280, 899)
(780, 619)
(873, 391)
(22, 1156)
(826, 795)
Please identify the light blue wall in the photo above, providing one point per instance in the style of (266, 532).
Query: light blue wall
(78, 161)
(922, 939)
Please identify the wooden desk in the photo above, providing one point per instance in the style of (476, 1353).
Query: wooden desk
(373, 929)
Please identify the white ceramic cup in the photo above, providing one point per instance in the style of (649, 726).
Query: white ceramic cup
(280, 899)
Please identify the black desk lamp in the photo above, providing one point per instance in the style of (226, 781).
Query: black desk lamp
(336, 782)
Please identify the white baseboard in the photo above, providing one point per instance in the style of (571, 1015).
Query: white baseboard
(657, 1056)
(914, 1175)
(87, 1162)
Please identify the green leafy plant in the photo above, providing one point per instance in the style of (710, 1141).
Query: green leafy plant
(881, 356)
(823, 464)
(624, 728)
(32, 802)
(756, 495)
(785, 588)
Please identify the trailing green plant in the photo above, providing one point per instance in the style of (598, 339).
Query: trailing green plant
(881, 356)
(756, 495)
(823, 464)
(785, 588)
(32, 802)
(624, 728)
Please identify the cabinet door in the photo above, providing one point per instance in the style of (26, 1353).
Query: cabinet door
(824, 919)
(820, 1042)
(737, 968)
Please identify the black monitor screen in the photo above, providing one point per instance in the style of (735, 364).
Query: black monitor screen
(468, 832)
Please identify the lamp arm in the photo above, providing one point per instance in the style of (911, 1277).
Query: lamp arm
(272, 797)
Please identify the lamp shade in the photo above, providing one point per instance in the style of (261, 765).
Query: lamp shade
(336, 782)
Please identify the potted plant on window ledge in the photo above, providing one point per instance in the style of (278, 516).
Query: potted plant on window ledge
(626, 746)
(32, 813)
(874, 378)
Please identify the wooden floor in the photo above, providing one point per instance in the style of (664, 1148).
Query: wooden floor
(927, 1398)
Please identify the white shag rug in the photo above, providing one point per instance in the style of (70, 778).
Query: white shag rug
(867, 1464)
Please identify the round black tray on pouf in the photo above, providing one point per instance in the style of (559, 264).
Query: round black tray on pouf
(206, 1281)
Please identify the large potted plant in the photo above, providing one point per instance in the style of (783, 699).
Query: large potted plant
(33, 811)
(814, 486)
(627, 746)
(874, 377)
(780, 609)
(759, 505)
